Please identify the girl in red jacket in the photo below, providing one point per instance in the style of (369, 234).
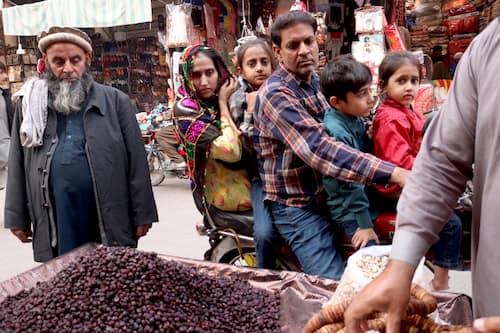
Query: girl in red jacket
(397, 135)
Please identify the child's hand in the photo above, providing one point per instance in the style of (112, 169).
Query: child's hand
(251, 97)
(363, 236)
(227, 89)
(369, 129)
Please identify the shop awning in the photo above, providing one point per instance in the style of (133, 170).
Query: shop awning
(31, 19)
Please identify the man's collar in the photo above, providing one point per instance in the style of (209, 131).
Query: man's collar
(96, 99)
(287, 76)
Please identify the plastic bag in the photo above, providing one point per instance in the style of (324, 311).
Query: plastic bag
(179, 25)
(362, 267)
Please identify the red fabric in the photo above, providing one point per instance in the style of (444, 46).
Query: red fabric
(397, 136)
(212, 12)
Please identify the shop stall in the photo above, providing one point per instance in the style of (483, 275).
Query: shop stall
(136, 44)
(115, 284)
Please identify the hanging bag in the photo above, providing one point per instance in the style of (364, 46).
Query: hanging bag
(179, 25)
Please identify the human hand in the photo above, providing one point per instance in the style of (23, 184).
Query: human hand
(363, 236)
(399, 176)
(227, 89)
(24, 236)
(369, 129)
(395, 280)
(251, 98)
(141, 230)
(322, 60)
(487, 325)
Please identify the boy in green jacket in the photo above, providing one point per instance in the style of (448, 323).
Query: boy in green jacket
(345, 83)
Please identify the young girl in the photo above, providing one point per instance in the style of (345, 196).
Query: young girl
(218, 182)
(255, 64)
(397, 135)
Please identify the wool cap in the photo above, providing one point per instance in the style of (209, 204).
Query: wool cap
(64, 35)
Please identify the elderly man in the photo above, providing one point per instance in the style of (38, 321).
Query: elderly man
(78, 170)
(294, 149)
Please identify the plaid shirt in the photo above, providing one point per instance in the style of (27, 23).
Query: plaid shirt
(294, 149)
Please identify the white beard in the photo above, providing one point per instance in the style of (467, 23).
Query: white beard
(69, 97)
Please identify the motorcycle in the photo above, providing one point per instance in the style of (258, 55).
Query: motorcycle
(231, 244)
(231, 241)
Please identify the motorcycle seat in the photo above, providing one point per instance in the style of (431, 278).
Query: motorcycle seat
(241, 222)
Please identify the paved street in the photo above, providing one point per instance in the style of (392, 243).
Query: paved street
(174, 235)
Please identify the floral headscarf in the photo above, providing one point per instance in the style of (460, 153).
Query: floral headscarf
(198, 120)
(186, 68)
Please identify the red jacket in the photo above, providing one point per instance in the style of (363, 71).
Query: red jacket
(397, 136)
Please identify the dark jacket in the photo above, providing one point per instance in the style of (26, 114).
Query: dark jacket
(117, 160)
(8, 106)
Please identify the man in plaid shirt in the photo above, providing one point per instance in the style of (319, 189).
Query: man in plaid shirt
(294, 150)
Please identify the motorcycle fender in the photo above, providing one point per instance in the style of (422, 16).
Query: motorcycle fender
(226, 245)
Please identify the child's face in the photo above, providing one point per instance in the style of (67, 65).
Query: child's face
(403, 85)
(358, 104)
(256, 66)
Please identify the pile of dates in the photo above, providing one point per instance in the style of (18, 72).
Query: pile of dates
(115, 289)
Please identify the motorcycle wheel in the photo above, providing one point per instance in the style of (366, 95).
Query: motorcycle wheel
(155, 170)
(233, 258)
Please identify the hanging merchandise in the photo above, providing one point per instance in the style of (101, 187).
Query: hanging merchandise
(394, 38)
(179, 25)
(162, 33)
(176, 59)
(270, 23)
(321, 30)
(213, 11)
(246, 30)
(370, 50)
(370, 19)
(259, 26)
(230, 16)
(196, 12)
(298, 5)
(370, 47)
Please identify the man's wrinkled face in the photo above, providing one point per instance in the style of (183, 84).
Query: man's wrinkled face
(298, 51)
(67, 61)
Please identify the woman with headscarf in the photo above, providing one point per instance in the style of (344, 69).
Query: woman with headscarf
(219, 181)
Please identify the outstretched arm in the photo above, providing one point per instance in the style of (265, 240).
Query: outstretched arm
(283, 116)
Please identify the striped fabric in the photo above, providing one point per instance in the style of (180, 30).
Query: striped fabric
(31, 19)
